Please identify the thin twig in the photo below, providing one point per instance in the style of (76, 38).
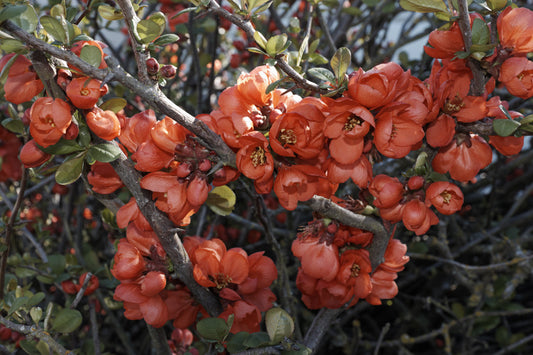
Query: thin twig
(471, 268)
(10, 229)
(159, 340)
(82, 290)
(37, 332)
(94, 325)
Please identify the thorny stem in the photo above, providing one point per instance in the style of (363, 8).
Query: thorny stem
(10, 229)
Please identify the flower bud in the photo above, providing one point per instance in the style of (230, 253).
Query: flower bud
(168, 71)
(31, 156)
(152, 66)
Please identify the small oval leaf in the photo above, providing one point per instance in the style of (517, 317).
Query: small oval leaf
(213, 328)
(105, 152)
(279, 324)
(70, 170)
(221, 200)
(67, 320)
(54, 28)
(92, 55)
(504, 127)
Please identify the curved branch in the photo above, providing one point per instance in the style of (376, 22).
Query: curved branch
(151, 95)
(381, 238)
(166, 232)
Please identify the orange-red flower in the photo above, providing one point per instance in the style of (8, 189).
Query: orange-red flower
(378, 86)
(9, 147)
(22, 83)
(463, 160)
(299, 131)
(444, 44)
(136, 129)
(104, 124)
(515, 29)
(129, 262)
(507, 145)
(516, 74)
(388, 191)
(417, 217)
(440, 132)
(446, 197)
(396, 135)
(84, 92)
(296, 183)
(103, 178)
(49, 120)
(314, 255)
(217, 267)
(347, 124)
(360, 172)
(254, 159)
(354, 271)
(31, 156)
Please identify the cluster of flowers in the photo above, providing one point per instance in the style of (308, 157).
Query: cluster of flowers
(150, 292)
(347, 277)
(411, 202)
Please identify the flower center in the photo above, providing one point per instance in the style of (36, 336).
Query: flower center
(355, 270)
(287, 136)
(222, 280)
(84, 92)
(351, 122)
(50, 121)
(258, 157)
(446, 196)
(454, 105)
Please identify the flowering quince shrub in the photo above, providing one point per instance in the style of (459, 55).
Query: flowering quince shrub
(289, 200)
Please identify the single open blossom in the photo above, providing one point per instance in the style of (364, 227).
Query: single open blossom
(378, 86)
(387, 190)
(104, 124)
(445, 43)
(299, 131)
(446, 197)
(463, 160)
(314, 254)
(347, 124)
(417, 217)
(354, 271)
(254, 159)
(296, 183)
(129, 262)
(50, 119)
(84, 92)
(360, 172)
(516, 74)
(136, 129)
(515, 30)
(22, 83)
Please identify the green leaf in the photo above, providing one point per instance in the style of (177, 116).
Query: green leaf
(166, 39)
(317, 59)
(322, 74)
(273, 86)
(105, 152)
(110, 13)
(36, 299)
(5, 69)
(36, 314)
(236, 342)
(279, 324)
(84, 135)
(11, 11)
(63, 146)
(256, 340)
(480, 32)
(13, 125)
(54, 28)
(213, 328)
(18, 303)
(424, 5)
(81, 37)
(340, 62)
(261, 8)
(92, 55)
(260, 39)
(221, 200)
(505, 127)
(256, 50)
(276, 45)
(9, 45)
(70, 170)
(57, 263)
(149, 30)
(116, 104)
(67, 320)
(485, 324)
(26, 20)
(29, 346)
